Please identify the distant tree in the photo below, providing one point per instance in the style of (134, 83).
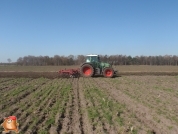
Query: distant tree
(19, 61)
(57, 60)
(129, 60)
(175, 59)
(9, 60)
(70, 60)
(135, 61)
(105, 58)
(80, 59)
(112, 59)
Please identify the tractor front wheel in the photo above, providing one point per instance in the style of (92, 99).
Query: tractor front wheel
(87, 70)
(108, 72)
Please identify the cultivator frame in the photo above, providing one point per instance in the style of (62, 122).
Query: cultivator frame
(69, 73)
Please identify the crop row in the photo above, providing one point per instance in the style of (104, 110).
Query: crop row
(128, 104)
(36, 104)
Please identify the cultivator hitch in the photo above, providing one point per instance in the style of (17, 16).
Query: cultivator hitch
(69, 73)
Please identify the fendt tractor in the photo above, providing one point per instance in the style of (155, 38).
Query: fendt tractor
(91, 67)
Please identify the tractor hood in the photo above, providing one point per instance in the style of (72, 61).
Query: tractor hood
(105, 65)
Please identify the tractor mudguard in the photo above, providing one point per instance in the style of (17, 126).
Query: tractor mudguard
(86, 63)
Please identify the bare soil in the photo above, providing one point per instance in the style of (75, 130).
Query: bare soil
(52, 75)
(52, 71)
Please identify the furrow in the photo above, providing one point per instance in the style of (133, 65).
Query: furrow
(85, 122)
(144, 114)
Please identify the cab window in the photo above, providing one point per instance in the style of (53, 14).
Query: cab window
(88, 59)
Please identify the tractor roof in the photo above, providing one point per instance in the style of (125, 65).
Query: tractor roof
(92, 55)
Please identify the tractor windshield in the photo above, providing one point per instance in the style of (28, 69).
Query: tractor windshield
(92, 59)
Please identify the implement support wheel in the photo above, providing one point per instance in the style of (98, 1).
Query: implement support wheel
(87, 70)
(108, 72)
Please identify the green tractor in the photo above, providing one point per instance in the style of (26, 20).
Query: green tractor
(93, 66)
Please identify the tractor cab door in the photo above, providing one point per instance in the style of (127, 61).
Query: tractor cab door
(98, 59)
(97, 65)
(95, 61)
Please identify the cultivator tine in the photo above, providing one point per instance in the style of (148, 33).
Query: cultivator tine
(70, 73)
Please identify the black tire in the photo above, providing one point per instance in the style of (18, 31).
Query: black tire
(87, 70)
(108, 72)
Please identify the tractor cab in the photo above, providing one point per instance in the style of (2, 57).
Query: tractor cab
(92, 58)
(93, 66)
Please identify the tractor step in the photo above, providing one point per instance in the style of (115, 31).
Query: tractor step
(97, 71)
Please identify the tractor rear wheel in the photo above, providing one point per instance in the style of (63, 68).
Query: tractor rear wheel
(108, 72)
(87, 70)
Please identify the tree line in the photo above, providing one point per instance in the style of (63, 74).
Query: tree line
(58, 60)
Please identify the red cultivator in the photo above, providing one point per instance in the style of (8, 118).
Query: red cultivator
(72, 73)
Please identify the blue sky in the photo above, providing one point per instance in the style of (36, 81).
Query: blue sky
(64, 27)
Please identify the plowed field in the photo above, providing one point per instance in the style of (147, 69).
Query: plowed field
(125, 105)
